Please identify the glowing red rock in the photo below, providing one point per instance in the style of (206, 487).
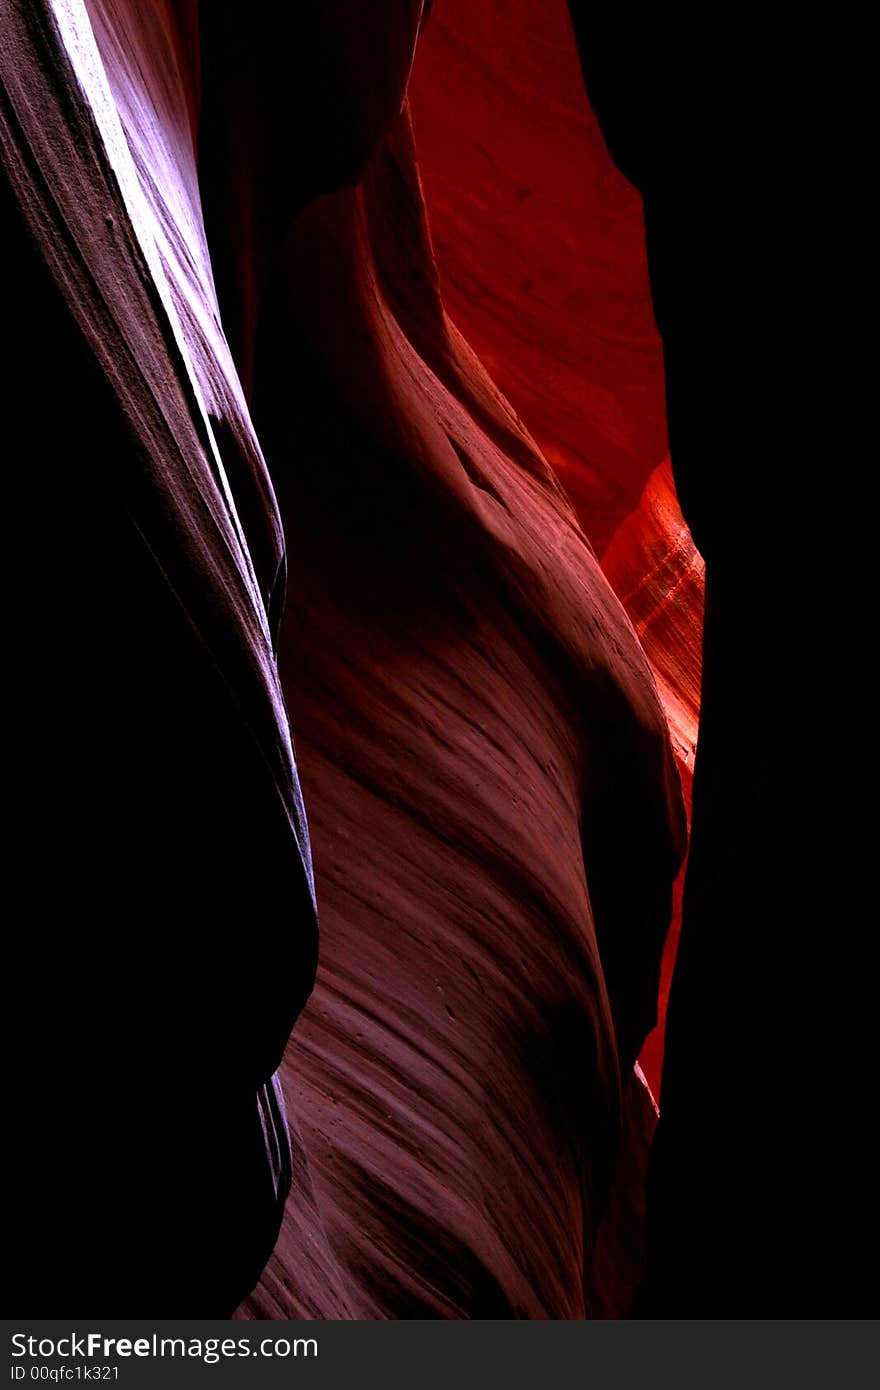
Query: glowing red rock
(541, 248)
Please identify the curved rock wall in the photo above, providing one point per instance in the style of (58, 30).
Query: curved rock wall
(540, 243)
(485, 763)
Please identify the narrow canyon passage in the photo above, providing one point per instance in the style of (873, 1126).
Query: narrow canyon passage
(372, 604)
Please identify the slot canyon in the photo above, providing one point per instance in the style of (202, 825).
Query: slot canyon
(380, 430)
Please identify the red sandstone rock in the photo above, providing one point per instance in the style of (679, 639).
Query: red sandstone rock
(658, 574)
(474, 721)
(540, 244)
(495, 809)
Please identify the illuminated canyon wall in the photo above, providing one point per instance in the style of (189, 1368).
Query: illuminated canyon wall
(540, 243)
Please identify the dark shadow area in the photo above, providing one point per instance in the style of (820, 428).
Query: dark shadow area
(755, 1206)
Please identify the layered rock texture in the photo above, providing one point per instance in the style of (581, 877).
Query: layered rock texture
(161, 874)
(227, 273)
(485, 762)
(540, 242)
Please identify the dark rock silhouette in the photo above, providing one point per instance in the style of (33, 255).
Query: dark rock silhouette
(755, 1207)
